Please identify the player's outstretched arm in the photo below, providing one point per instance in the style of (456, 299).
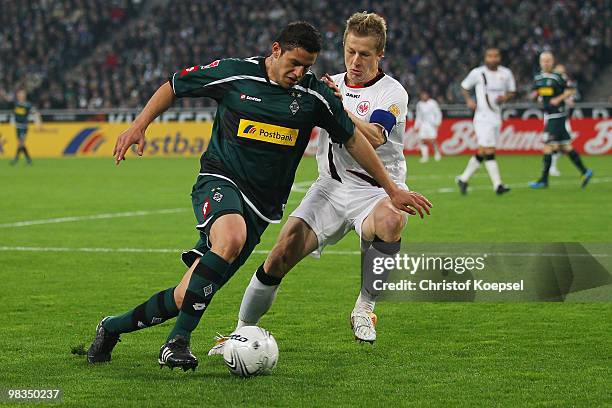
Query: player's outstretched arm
(160, 101)
(408, 201)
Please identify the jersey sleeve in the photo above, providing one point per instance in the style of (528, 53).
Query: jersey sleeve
(332, 116)
(470, 81)
(203, 80)
(392, 108)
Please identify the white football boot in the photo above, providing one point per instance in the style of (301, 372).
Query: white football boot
(219, 344)
(363, 324)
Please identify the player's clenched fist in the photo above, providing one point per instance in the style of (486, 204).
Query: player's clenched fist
(133, 136)
(410, 201)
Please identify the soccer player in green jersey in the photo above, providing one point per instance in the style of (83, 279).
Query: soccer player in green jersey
(267, 108)
(21, 112)
(569, 102)
(553, 92)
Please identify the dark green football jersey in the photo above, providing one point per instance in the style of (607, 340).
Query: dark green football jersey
(260, 129)
(549, 85)
(21, 110)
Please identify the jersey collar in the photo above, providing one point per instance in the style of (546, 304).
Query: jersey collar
(371, 82)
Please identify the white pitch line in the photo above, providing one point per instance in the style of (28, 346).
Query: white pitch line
(265, 251)
(132, 250)
(91, 217)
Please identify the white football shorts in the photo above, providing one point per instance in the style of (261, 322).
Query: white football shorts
(332, 209)
(487, 132)
(427, 132)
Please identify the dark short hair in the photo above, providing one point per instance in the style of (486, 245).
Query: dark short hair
(300, 34)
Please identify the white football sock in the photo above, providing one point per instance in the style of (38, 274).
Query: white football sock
(365, 301)
(470, 169)
(256, 301)
(555, 159)
(493, 170)
(424, 152)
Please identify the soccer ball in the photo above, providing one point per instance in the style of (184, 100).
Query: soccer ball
(250, 351)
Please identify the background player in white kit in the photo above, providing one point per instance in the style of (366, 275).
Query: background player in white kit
(345, 197)
(428, 119)
(493, 85)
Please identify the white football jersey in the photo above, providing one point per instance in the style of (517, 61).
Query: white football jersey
(384, 93)
(428, 113)
(488, 86)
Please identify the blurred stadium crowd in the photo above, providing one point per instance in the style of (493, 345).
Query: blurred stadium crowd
(115, 53)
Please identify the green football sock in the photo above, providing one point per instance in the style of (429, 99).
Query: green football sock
(159, 308)
(575, 158)
(207, 278)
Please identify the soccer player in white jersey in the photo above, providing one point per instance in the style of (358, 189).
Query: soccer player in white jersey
(345, 197)
(428, 119)
(493, 85)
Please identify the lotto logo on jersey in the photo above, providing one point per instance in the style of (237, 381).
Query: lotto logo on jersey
(245, 97)
(266, 132)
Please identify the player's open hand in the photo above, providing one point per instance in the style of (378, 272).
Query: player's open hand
(330, 83)
(133, 136)
(411, 202)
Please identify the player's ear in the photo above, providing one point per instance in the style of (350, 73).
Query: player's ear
(276, 50)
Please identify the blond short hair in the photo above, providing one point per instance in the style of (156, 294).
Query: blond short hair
(368, 24)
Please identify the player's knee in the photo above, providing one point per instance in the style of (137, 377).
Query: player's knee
(230, 246)
(390, 226)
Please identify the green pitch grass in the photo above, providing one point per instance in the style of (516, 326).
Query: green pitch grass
(427, 354)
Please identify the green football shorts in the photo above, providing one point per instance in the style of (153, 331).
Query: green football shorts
(213, 197)
(556, 132)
